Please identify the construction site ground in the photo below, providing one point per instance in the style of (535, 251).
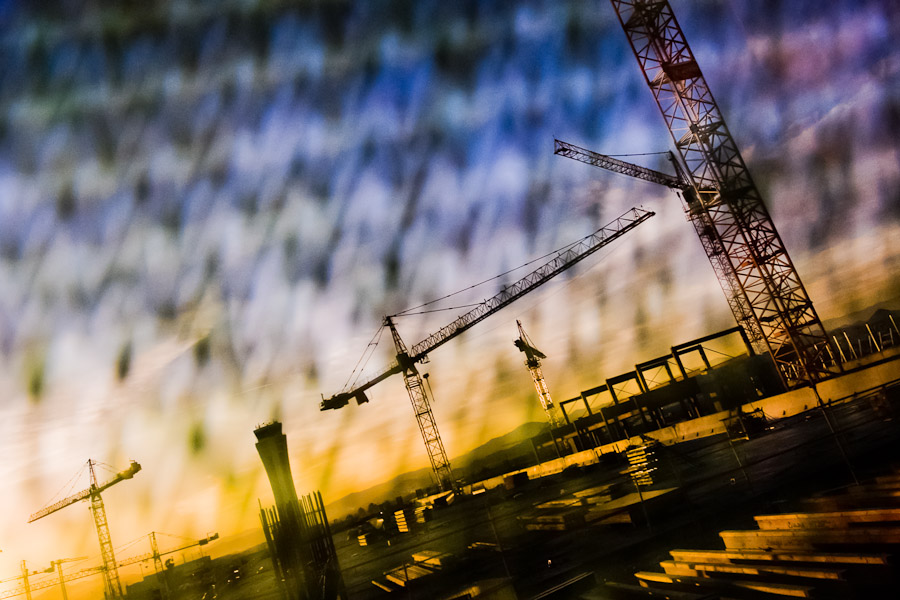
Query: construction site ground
(721, 484)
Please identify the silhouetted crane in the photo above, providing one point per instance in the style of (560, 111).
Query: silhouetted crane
(407, 359)
(156, 556)
(722, 201)
(533, 358)
(112, 586)
(62, 578)
(29, 586)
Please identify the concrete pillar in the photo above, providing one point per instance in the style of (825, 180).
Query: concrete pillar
(291, 545)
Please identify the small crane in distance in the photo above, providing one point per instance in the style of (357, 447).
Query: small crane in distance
(156, 556)
(113, 588)
(57, 564)
(30, 586)
(533, 358)
(62, 578)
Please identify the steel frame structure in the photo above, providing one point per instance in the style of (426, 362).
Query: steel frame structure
(725, 206)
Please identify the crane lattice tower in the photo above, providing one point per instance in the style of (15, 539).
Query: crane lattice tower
(764, 289)
(415, 387)
(533, 358)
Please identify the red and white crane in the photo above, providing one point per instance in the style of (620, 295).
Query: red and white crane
(721, 199)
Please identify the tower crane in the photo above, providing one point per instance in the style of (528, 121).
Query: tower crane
(722, 201)
(407, 358)
(62, 578)
(57, 564)
(29, 586)
(26, 586)
(533, 358)
(112, 586)
(156, 556)
(706, 231)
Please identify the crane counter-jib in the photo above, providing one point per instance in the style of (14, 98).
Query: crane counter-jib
(564, 259)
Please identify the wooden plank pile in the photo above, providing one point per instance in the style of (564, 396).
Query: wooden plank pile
(630, 508)
(843, 547)
(424, 563)
(596, 506)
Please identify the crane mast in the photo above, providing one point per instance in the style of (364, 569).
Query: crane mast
(25, 583)
(158, 567)
(533, 358)
(415, 387)
(407, 359)
(113, 587)
(755, 262)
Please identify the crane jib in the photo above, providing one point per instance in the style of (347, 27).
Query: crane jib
(566, 258)
(128, 473)
(615, 165)
(563, 261)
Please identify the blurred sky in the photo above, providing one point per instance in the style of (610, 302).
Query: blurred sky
(206, 208)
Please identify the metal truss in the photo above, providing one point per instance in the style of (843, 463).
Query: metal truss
(726, 208)
(415, 385)
(709, 237)
(565, 258)
(112, 587)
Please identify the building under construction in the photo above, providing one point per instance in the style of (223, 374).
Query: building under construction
(297, 531)
(666, 391)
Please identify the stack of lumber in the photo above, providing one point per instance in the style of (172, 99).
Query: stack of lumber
(843, 546)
